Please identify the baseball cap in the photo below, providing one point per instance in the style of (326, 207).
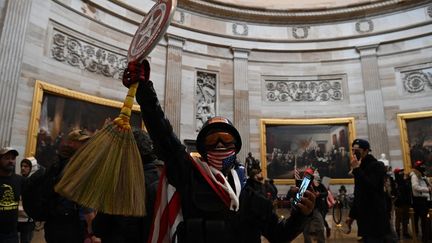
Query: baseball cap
(361, 143)
(418, 163)
(6, 150)
(397, 170)
(77, 135)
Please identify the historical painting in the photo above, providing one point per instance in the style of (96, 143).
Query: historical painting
(416, 138)
(296, 144)
(57, 110)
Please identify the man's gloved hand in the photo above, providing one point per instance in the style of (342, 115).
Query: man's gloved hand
(136, 72)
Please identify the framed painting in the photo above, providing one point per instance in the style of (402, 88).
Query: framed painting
(57, 110)
(296, 144)
(416, 139)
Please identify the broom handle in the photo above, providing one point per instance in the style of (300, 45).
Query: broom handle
(123, 119)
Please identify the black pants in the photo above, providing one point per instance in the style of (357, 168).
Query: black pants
(9, 238)
(71, 231)
(25, 230)
(421, 209)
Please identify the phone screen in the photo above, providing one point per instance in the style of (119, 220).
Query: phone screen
(303, 187)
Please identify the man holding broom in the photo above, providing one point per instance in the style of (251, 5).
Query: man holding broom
(208, 204)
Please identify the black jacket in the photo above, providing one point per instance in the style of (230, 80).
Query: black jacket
(127, 229)
(369, 208)
(206, 218)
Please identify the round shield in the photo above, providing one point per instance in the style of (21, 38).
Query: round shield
(151, 29)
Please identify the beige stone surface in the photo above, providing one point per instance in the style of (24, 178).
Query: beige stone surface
(403, 38)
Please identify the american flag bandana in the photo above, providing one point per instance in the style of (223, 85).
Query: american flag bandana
(221, 160)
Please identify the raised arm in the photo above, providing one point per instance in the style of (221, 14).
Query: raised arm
(167, 145)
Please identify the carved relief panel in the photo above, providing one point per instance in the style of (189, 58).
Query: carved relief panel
(205, 97)
(304, 89)
(415, 79)
(81, 54)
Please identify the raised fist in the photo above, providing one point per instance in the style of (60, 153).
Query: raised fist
(136, 72)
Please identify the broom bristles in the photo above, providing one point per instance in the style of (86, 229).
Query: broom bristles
(106, 174)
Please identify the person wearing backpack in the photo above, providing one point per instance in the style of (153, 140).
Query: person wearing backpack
(62, 216)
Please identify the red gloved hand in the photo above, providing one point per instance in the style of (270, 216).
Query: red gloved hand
(136, 72)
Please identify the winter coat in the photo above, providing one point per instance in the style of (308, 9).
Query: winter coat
(205, 217)
(370, 207)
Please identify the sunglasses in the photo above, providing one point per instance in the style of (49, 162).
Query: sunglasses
(214, 138)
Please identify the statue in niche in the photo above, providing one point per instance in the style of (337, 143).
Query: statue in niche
(206, 96)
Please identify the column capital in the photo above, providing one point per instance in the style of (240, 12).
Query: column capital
(176, 41)
(240, 52)
(368, 50)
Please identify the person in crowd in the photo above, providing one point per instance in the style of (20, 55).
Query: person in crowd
(123, 229)
(26, 224)
(369, 207)
(213, 206)
(403, 201)
(315, 229)
(10, 191)
(63, 223)
(421, 191)
(271, 189)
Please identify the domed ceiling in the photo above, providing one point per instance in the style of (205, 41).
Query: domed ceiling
(294, 11)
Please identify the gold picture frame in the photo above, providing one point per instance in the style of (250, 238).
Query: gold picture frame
(68, 98)
(416, 139)
(291, 139)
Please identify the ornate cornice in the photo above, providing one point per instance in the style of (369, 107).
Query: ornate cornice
(296, 16)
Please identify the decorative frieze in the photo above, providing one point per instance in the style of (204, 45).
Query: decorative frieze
(205, 97)
(240, 29)
(417, 81)
(304, 90)
(81, 54)
(364, 26)
(300, 32)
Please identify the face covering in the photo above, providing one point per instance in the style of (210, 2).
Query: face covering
(222, 160)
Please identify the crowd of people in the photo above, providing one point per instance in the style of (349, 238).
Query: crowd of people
(207, 198)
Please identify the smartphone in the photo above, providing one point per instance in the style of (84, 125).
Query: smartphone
(307, 179)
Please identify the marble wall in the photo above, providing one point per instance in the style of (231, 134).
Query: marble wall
(82, 45)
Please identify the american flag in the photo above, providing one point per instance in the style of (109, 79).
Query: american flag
(297, 174)
(168, 213)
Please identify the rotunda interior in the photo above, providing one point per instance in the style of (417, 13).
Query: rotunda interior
(297, 78)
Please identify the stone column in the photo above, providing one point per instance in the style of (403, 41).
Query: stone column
(17, 13)
(241, 99)
(172, 106)
(376, 120)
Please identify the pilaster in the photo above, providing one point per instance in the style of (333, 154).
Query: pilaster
(376, 120)
(12, 41)
(172, 104)
(241, 99)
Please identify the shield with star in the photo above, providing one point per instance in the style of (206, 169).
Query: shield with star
(151, 29)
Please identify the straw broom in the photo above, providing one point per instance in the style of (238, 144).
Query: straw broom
(106, 173)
